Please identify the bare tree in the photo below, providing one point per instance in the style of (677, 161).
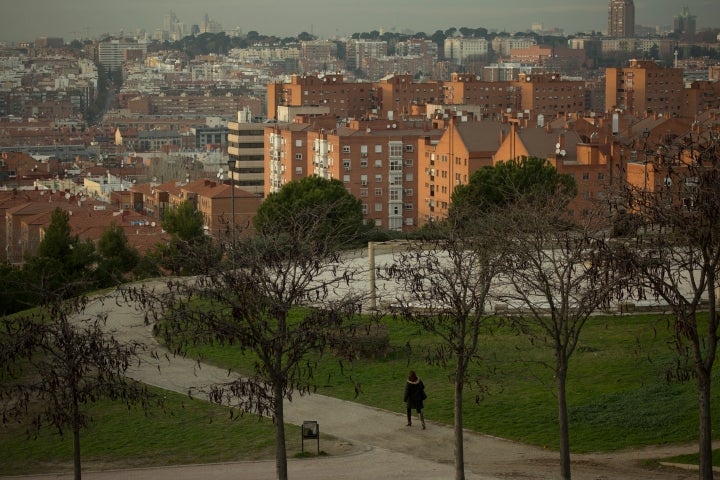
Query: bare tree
(443, 284)
(558, 271)
(55, 360)
(678, 260)
(282, 297)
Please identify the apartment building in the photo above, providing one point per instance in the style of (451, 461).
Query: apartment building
(621, 18)
(188, 105)
(417, 46)
(661, 170)
(111, 53)
(589, 161)
(397, 94)
(155, 140)
(323, 49)
(644, 86)
(700, 97)
(503, 45)
(246, 149)
(345, 100)
(465, 146)
(507, 72)
(224, 207)
(549, 94)
(685, 23)
(665, 46)
(27, 213)
(359, 52)
(458, 49)
(494, 98)
(377, 161)
(556, 59)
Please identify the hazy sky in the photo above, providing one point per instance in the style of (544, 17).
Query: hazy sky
(24, 20)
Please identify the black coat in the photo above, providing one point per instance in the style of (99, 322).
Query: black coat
(414, 394)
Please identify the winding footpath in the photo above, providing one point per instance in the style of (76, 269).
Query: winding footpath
(373, 444)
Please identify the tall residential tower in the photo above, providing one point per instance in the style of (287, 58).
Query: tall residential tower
(621, 18)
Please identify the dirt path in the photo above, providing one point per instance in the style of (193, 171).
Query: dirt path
(372, 443)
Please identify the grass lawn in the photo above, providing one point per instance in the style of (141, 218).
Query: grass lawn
(618, 395)
(187, 432)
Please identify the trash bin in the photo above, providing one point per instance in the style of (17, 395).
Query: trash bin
(310, 430)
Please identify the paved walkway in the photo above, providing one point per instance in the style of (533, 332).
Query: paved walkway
(383, 447)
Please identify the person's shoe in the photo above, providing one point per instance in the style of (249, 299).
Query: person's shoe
(423, 425)
(409, 424)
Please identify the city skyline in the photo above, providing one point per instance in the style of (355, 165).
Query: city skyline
(25, 21)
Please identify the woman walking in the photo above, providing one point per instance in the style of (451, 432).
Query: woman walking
(414, 396)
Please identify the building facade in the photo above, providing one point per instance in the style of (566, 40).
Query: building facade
(458, 50)
(246, 152)
(549, 94)
(643, 87)
(377, 161)
(621, 18)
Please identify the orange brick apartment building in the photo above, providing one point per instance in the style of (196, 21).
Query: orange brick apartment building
(644, 86)
(377, 161)
(398, 95)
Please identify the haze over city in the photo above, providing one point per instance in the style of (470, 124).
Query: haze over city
(24, 21)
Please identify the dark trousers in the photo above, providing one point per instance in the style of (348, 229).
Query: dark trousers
(420, 414)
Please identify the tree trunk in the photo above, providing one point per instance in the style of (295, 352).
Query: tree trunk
(459, 446)
(704, 384)
(280, 452)
(563, 420)
(76, 439)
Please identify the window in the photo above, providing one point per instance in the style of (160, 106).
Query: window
(408, 148)
(378, 163)
(378, 148)
(408, 206)
(378, 207)
(378, 178)
(298, 143)
(395, 150)
(364, 208)
(409, 177)
(394, 194)
(298, 156)
(363, 179)
(408, 192)
(363, 192)
(346, 178)
(408, 162)
(409, 221)
(378, 192)
(346, 164)
(586, 176)
(346, 148)
(363, 163)
(601, 176)
(298, 170)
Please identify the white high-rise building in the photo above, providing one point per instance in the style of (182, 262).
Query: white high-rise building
(457, 50)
